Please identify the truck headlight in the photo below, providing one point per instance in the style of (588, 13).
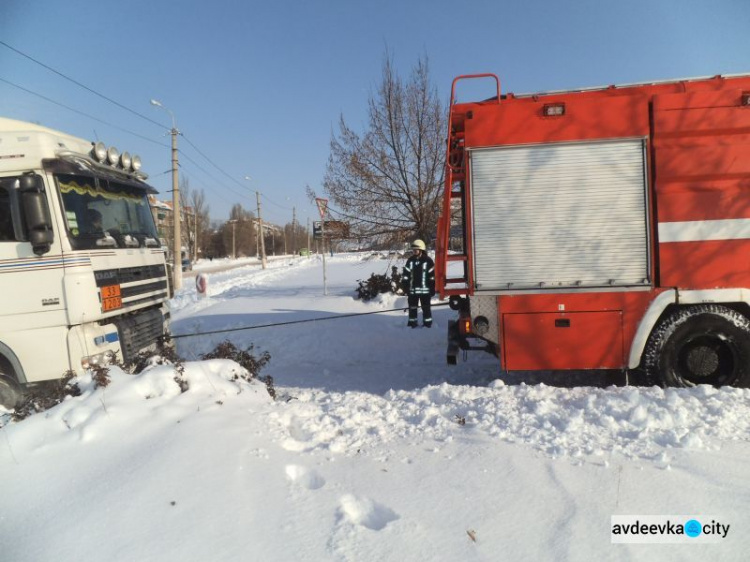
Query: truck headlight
(99, 359)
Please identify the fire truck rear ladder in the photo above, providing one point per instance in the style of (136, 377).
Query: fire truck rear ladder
(455, 189)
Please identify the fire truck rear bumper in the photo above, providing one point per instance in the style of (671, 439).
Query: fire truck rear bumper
(458, 341)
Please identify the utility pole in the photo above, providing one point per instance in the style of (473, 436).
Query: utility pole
(177, 248)
(233, 223)
(262, 242)
(177, 242)
(294, 231)
(323, 236)
(323, 208)
(257, 238)
(195, 224)
(309, 249)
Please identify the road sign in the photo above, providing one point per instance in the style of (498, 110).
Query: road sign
(333, 230)
(322, 206)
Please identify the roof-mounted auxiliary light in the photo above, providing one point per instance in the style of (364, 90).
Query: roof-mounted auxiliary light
(100, 151)
(553, 110)
(136, 163)
(113, 155)
(126, 161)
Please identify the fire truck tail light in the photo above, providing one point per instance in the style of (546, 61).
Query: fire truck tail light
(553, 110)
(100, 151)
(467, 326)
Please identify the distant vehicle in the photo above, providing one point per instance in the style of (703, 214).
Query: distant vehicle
(304, 252)
(82, 273)
(603, 228)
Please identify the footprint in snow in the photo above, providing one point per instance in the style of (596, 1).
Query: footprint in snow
(300, 439)
(366, 512)
(306, 477)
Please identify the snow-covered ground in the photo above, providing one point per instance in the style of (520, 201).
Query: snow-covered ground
(374, 450)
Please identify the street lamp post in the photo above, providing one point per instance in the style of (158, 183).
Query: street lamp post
(177, 242)
(233, 222)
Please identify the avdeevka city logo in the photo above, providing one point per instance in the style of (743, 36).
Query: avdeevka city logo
(667, 529)
(693, 528)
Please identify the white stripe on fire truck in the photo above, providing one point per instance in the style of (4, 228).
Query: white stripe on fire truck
(701, 231)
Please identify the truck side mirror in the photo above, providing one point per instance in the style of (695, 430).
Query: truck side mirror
(36, 213)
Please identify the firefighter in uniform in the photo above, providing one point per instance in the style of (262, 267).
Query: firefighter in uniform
(418, 282)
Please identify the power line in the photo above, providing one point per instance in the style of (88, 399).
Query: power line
(186, 156)
(274, 203)
(211, 162)
(77, 83)
(230, 177)
(345, 216)
(59, 104)
(50, 100)
(118, 104)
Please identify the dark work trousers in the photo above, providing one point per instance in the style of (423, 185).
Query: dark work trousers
(424, 302)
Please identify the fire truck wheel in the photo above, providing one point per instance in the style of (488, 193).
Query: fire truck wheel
(10, 392)
(702, 344)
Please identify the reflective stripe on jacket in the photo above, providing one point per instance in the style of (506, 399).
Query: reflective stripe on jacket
(419, 275)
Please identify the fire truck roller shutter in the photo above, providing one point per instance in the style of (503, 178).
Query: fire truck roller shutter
(560, 215)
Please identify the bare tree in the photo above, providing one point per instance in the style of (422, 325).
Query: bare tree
(195, 219)
(242, 226)
(390, 177)
(202, 221)
(187, 217)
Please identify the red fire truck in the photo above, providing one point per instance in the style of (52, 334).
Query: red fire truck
(602, 228)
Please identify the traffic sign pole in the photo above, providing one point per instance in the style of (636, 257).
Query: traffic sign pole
(323, 208)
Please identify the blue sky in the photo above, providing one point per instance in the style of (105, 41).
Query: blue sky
(259, 86)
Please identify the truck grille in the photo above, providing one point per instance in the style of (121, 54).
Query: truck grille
(139, 331)
(136, 281)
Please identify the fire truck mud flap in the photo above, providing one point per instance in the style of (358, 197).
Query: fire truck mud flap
(453, 342)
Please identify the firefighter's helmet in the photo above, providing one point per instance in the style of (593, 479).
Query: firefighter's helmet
(418, 245)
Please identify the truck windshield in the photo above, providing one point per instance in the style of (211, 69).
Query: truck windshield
(101, 213)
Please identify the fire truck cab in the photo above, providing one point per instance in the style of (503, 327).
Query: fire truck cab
(83, 279)
(602, 228)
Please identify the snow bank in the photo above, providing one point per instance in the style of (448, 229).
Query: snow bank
(152, 397)
(640, 423)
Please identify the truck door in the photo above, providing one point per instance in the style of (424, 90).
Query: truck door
(32, 314)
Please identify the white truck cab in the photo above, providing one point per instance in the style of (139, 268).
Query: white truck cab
(83, 279)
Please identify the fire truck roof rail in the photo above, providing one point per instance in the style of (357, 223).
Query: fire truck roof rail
(631, 85)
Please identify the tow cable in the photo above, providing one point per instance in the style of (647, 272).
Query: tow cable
(339, 317)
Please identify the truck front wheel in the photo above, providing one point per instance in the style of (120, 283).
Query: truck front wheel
(10, 392)
(702, 344)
